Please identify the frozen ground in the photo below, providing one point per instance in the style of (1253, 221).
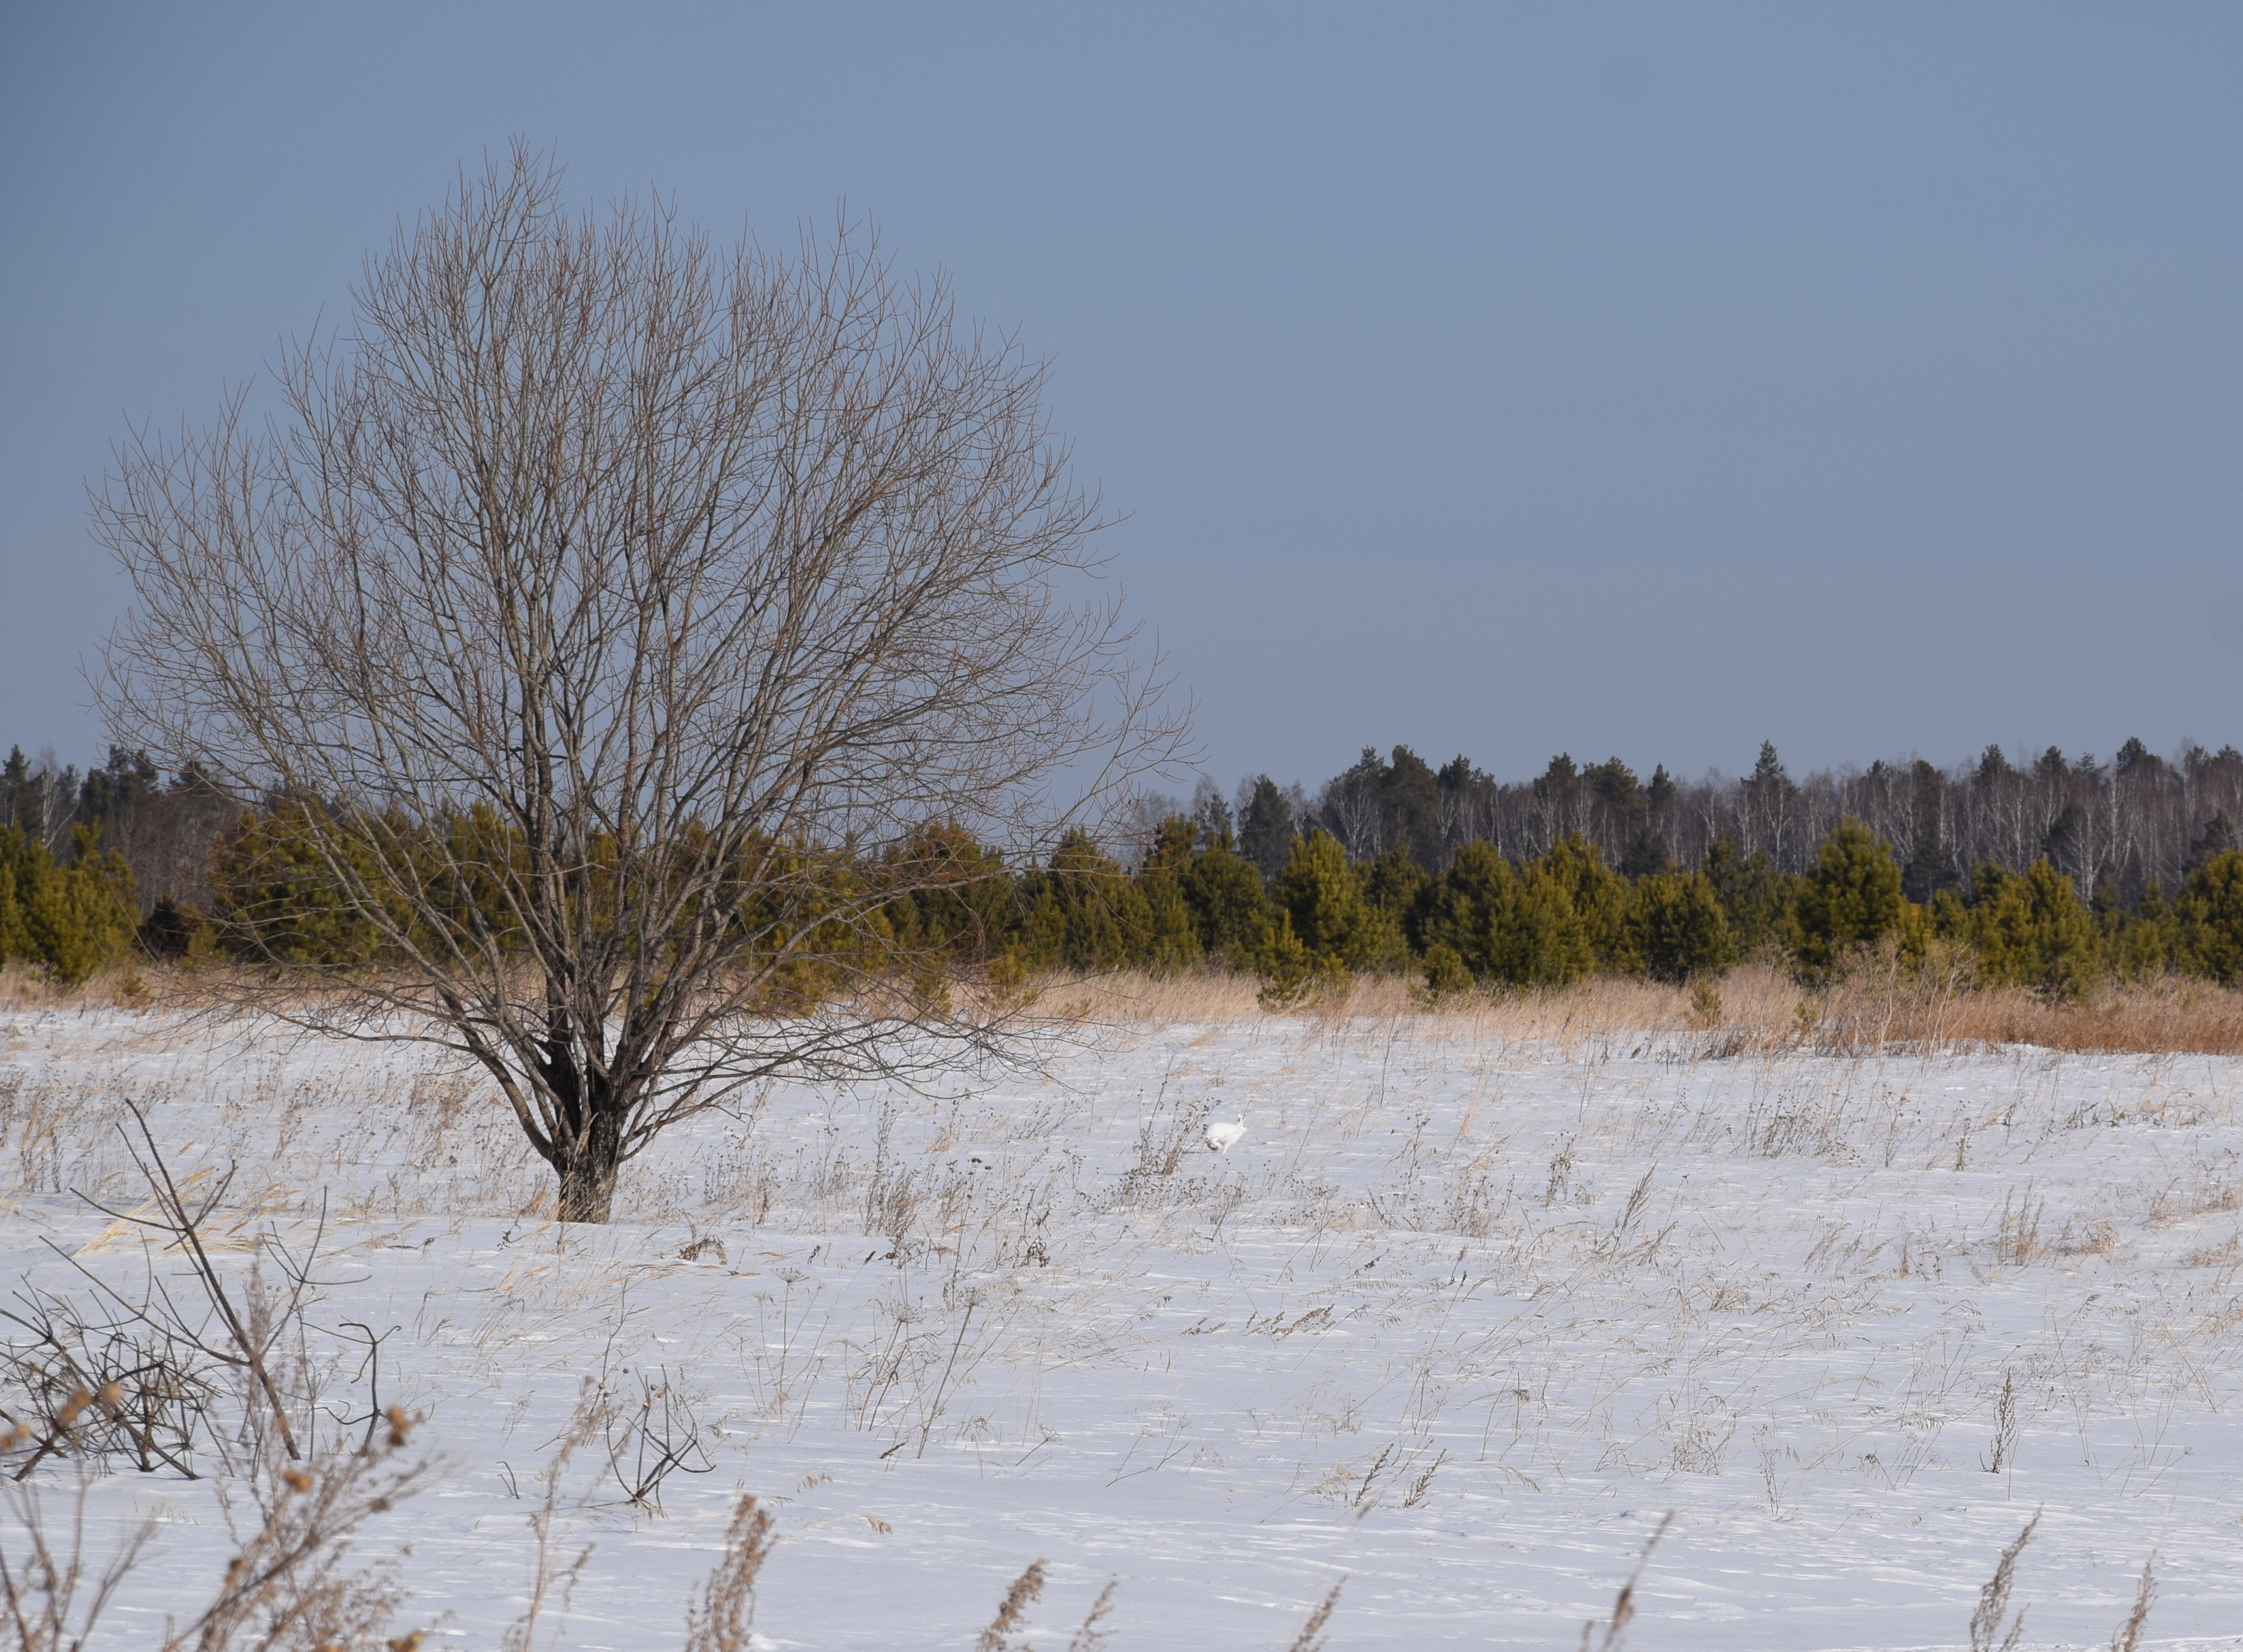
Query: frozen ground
(1458, 1319)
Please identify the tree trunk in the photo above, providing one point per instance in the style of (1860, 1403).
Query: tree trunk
(588, 1176)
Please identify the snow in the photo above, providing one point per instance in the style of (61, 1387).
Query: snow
(1458, 1320)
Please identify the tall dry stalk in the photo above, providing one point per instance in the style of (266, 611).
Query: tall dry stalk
(1994, 1599)
(726, 1611)
(1012, 1612)
(1312, 1637)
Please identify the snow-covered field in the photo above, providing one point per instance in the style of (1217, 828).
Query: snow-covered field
(1458, 1320)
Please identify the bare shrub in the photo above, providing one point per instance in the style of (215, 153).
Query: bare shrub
(105, 1384)
(44, 1583)
(652, 1434)
(292, 1584)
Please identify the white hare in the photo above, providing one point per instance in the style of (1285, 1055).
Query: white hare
(1222, 1138)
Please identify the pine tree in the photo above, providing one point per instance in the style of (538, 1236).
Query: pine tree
(1172, 940)
(1231, 911)
(1413, 794)
(1755, 898)
(1851, 898)
(2029, 929)
(1084, 912)
(2210, 914)
(1769, 800)
(69, 918)
(1676, 928)
(2133, 757)
(1596, 894)
(2216, 838)
(1541, 940)
(1929, 867)
(1466, 906)
(1445, 975)
(1646, 854)
(1265, 829)
(1324, 894)
(962, 897)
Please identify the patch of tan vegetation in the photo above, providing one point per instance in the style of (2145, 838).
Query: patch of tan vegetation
(1753, 1008)
(1756, 1007)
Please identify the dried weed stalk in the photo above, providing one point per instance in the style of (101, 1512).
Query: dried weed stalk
(1312, 1637)
(1012, 1612)
(1614, 1628)
(1994, 1599)
(727, 1609)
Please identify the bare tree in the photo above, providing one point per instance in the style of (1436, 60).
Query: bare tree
(608, 611)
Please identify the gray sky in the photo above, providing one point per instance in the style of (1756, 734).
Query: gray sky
(1643, 381)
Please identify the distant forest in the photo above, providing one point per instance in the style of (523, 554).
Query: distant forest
(2113, 827)
(2051, 872)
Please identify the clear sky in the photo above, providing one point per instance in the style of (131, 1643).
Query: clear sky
(1646, 381)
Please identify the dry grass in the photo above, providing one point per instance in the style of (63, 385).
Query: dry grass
(1755, 1008)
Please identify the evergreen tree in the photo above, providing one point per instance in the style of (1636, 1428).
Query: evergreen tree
(1325, 895)
(110, 792)
(71, 918)
(962, 897)
(1850, 899)
(1471, 804)
(1613, 784)
(14, 931)
(2210, 913)
(1083, 910)
(1394, 882)
(1754, 898)
(2216, 838)
(1929, 867)
(1413, 794)
(1768, 801)
(2028, 929)
(1171, 940)
(1597, 895)
(1676, 928)
(1466, 906)
(1445, 975)
(14, 787)
(1541, 940)
(1647, 855)
(1561, 797)
(1265, 829)
(1659, 795)
(1231, 908)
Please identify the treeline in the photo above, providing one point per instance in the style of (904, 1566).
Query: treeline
(90, 862)
(2054, 874)
(2114, 828)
